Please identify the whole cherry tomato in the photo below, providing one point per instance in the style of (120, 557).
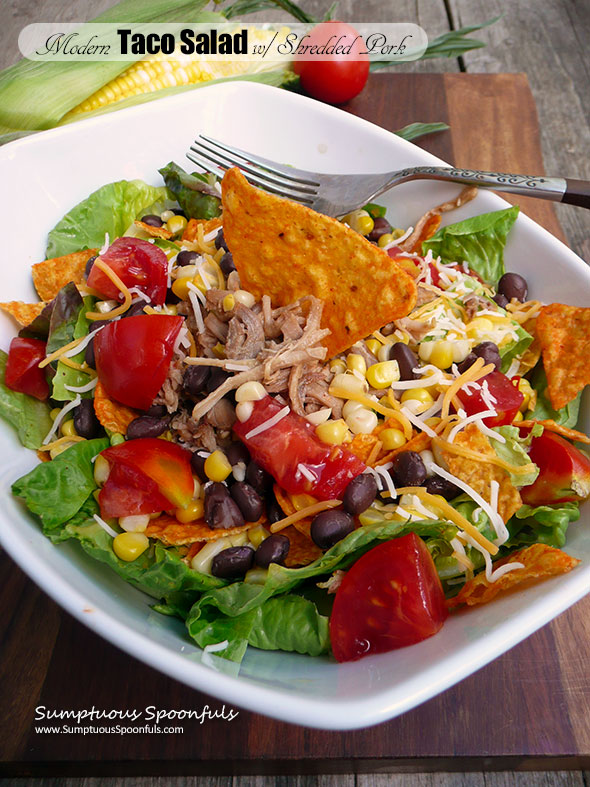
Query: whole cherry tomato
(137, 263)
(22, 368)
(340, 73)
(133, 356)
(391, 597)
(502, 389)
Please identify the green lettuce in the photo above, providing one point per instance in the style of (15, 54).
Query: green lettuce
(65, 375)
(514, 451)
(478, 241)
(542, 524)
(29, 416)
(513, 350)
(567, 416)
(110, 209)
(193, 192)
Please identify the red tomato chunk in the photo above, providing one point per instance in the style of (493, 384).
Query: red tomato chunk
(291, 442)
(503, 390)
(133, 356)
(137, 263)
(22, 368)
(391, 597)
(564, 471)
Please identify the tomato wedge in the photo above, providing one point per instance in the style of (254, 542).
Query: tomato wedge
(391, 597)
(564, 471)
(503, 390)
(22, 368)
(133, 356)
(137, 263)
(291, 443)
(154, 471)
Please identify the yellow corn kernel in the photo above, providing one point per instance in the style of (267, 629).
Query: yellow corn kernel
(518, 417)
(337, 366)
(392, 439)
(360, 221)
(204, 557)
(373, 346)
(442, 354)
(384, 351)
(381, 375)
(244, 297)
(461, 349)
(101, 470)
(217, 466)
(251, 391)
(332, 432)
(418, 399)
(397, 233)
(425, 351)
(527, 391)
(344, 384)
(408, 265)
(68, 429)
(385, 240)
(129, 546)
(54, 413)
(479, 327)
(193, 511)
(59, 449)
(319, 416)
(362, 421)
(219, 350)
(167, 215)
(244, 410)
(350, 407)
(176, 224)
(356, 363)
(228, 302)
(136, 523)
(256, 535)
(180, 287)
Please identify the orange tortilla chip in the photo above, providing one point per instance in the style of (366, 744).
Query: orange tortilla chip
(420, 442)
(302, 550)
(112, 415)
(479, 475)
(284, 501)
(190, 232)
(539, 560)
(564, 334)
(153, 232)
(171, 532)
(50, 276)
(551, 426)
(531, 355)
(23, 313)
(362, 446)
(286, 250)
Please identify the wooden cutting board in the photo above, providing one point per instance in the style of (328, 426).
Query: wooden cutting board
(528, 709)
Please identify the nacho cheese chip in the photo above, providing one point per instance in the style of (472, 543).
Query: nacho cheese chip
(479, 475)
(113, 416)
(302, 550)
(191, 231)
(171, 532)
(153, 232)
(286, 250)
(564, 333)
(50, 276)
(23, 313)
(539, 560)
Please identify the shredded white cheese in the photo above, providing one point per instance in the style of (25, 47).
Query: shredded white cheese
(306, 472)
(466, 420)
(106, 244)
(82, 343)
(193, 294)
(82, 388)
(270, 423)
(387, 480)
(141, 295)
(104, 525)
(60, 417)
(418, 423)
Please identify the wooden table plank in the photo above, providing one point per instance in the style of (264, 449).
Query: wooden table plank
(528, 707)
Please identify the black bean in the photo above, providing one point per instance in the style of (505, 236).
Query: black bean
(273, 549)
(329, 527)
(147, 426)
(408, 469)
(94, 326)
(135, 309)
(85, 420)
(227, 264)
(156, 411)
(232, 562)
(406, 360)
(214, 494)
(248, 500)
(501, 300)
(359, 494)
(198, 466)
(186, 258)
(467, 363)
(195, 379)
(257, 477)
(152, 220)
(274, 512)
(220, 241)
(89, 354)
(89, 265)
(489, 352)
(440, 486)
(512, 285)
(381, 227)
(221, 512)
(237, 452)
(217, 376)
(179, 212)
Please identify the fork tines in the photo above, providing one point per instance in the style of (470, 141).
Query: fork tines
(217, 157)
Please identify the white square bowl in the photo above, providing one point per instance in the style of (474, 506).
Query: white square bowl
(45, 175)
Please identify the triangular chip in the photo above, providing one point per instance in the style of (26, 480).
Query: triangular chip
(171, 532)
(50, 276)
(113, 416)
(153, 232)
(479, 475)
(564, 333)
(286, 250)
(539, 561)
(302, 550)
(192, 228)
(23, 313)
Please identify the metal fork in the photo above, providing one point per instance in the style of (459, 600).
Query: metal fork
(336, 195)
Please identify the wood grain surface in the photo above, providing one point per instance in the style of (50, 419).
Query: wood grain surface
(528, 709)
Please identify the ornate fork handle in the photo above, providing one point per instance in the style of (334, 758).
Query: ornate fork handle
(568, 190)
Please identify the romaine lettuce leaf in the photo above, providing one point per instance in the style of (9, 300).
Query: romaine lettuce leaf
(511, 351)
(514, 452)
(192, 192)
(567, 416)
(111, 208)
(65, 375)
(542, 524)
(478, 241)
(29, 416)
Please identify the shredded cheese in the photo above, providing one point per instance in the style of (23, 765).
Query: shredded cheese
(465, 420)
(193, 294)
(316, 508)
(60, 417)
(100, 521)
(418, 423)
(81, 343)
(110, 273)
(59, 352)
(306, 473)
(82, 388)
(283, 412)
(386, 480)
(375, 450)
(475, 372)
(61, 441)
(492, 460)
